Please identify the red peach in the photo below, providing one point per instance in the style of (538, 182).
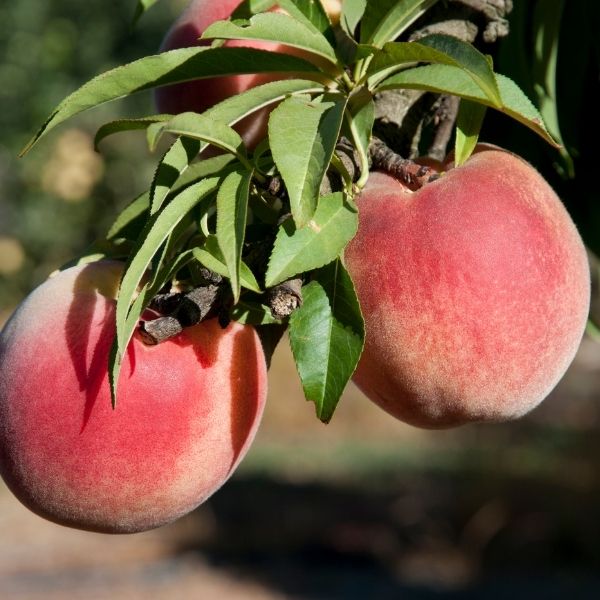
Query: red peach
(187, 411)
(475, 292)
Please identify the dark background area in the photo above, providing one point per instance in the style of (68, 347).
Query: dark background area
(365, 507)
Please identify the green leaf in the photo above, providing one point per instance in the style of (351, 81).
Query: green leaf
(172, 165)
(547, 25)
(327, 337)
(445, 79)
(299, 250)
(210, 256)
(118, 249)
(437, 49)
(176, 171)
(130, 216)
(359, 121)
(303, 135)
(468, 125)
(115, 358)
(312, 14)
(207, 167)
(352, 13)
(205, 128)
(248, 8)
(154, 235)
(168, 249)
(252, 313)
(121, 125)
(547, 20)
(141, 7)
(232, 212)
(148, 291)
(275, 27)
(361, 110)
(184, 64)
(132, 219)
(385, 20)
(234, 109)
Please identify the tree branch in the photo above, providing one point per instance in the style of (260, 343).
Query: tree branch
(190, 308)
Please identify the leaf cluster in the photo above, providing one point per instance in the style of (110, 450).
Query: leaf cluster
(222, 214)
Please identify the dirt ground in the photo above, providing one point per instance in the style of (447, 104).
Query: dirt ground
(365, 507)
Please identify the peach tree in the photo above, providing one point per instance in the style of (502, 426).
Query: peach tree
(453, 288)
(259, 220)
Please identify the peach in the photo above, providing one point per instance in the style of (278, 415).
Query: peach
(187, 411)
(475, 292)
(202, 94)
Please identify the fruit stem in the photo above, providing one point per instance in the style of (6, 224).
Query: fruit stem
(412, 174)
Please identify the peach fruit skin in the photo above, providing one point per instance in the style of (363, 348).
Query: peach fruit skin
(200, 95)
(187, 410)
(475, 291)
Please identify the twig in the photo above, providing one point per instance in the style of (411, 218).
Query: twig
(190, 309)
(285, 298)
(494, 12)
(409, 172)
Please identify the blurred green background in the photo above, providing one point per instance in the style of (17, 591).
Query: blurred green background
(365, 507)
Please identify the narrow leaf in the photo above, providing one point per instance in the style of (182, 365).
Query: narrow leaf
(437, 49)
(211, 256)
(118, 249)
(361, 109)
(121, 125)
(547, 25)
(468, 125)
(352, 13)
(359, 126)
(148, 291)
(327, 337)
(141, 7)
(312, 14)
(303, 135)
(154, 235)
(232, 211)
(249, 8)
(175, 66)
(175, 171)
(446, 79)
(205, 128)
(128, 326)
(207, 167)
(390, 18)
(252, 313)
(274, 27)
(299, 250)
(172, 165)
(130, 215)
(241, 105)
(161, 258)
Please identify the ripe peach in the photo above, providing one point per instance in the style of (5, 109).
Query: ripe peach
(187, 411)
(201, 94)
(475, 292)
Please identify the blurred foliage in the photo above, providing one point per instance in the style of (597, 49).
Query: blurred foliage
(55, 202)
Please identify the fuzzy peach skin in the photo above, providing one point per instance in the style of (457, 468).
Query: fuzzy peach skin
(187, 411)
(201, 94)
(475, 291)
